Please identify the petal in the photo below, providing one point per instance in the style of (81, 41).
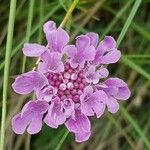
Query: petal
(55, 116)
(70, 50)
(27, 82)
(115, 82)
(93, 38)
(89, 53)
(82, 136)
(103, 72)
(51, 62)
(112, 105)
(57, 39)
(82, 42)
(33, 50)
(35, 125)
(99, 100)
(69, 107)
(49, 26)
(111, 57)
(80, 124)
(35, 106)
(123, 93)
(92, 76)
(94, 104)
(107, 44)
(73, 64)
(19, 124)
(88, 90)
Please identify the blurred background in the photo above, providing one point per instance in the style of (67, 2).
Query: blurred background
(126, 130)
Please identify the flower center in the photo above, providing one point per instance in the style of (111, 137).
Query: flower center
(69, 84)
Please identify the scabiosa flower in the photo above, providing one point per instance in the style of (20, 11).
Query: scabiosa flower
(69, 83)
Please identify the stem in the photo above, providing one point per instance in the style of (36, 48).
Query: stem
(29, 24)
(69, 12)
(62, 140)
(7, 68)
(128, 22)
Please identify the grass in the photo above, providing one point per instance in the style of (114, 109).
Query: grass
(128, 21)
(6, 70)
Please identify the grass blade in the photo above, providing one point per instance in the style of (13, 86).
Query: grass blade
(29, 25)
(7, 68)
(129, 20)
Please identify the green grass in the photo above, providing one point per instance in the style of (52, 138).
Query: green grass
(6, 70)
(128, 21)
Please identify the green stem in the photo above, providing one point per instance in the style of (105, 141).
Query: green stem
(69, 12)
(29, 24)
(41, 16)
(62, 140)
(128, 22)
(7, 68)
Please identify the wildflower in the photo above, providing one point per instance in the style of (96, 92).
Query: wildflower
(69, 89)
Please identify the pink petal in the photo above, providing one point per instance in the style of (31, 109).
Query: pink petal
(112, 105)
(82, 136)
(70, 50)
(82, 42)
(57, 39)
(49, 26)
(111, 57)
(33, 50)
(123, 93)
(35, 125)
(115, 82)
(93, 38)
(107, 44)
(19, 124)
(28, 82)
(80, 124)
(55, 116)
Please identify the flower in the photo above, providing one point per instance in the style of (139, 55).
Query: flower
(69, 89)
(106, 51)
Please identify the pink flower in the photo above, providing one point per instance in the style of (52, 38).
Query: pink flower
(69, 89)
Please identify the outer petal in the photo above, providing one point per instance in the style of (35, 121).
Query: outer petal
(35, 107)
(35, 125)
(19, 124)
(57, 39)
(89, 53)
(95, 103)
(83, 136)
(51, 62)
(28, 82)
(33, 50)
(80, 124)
(70, 50)
(93, 38)
(123, 93)
(111, 57)
(107, 44)
(55, 116)
(82, 42)
(115, 82)
(49, 26)
(112, 105)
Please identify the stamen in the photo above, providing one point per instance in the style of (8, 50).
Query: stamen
(70, 85)
(66, 75)
(62, 86)
(74, 76)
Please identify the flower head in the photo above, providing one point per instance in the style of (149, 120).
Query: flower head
(69, 89)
